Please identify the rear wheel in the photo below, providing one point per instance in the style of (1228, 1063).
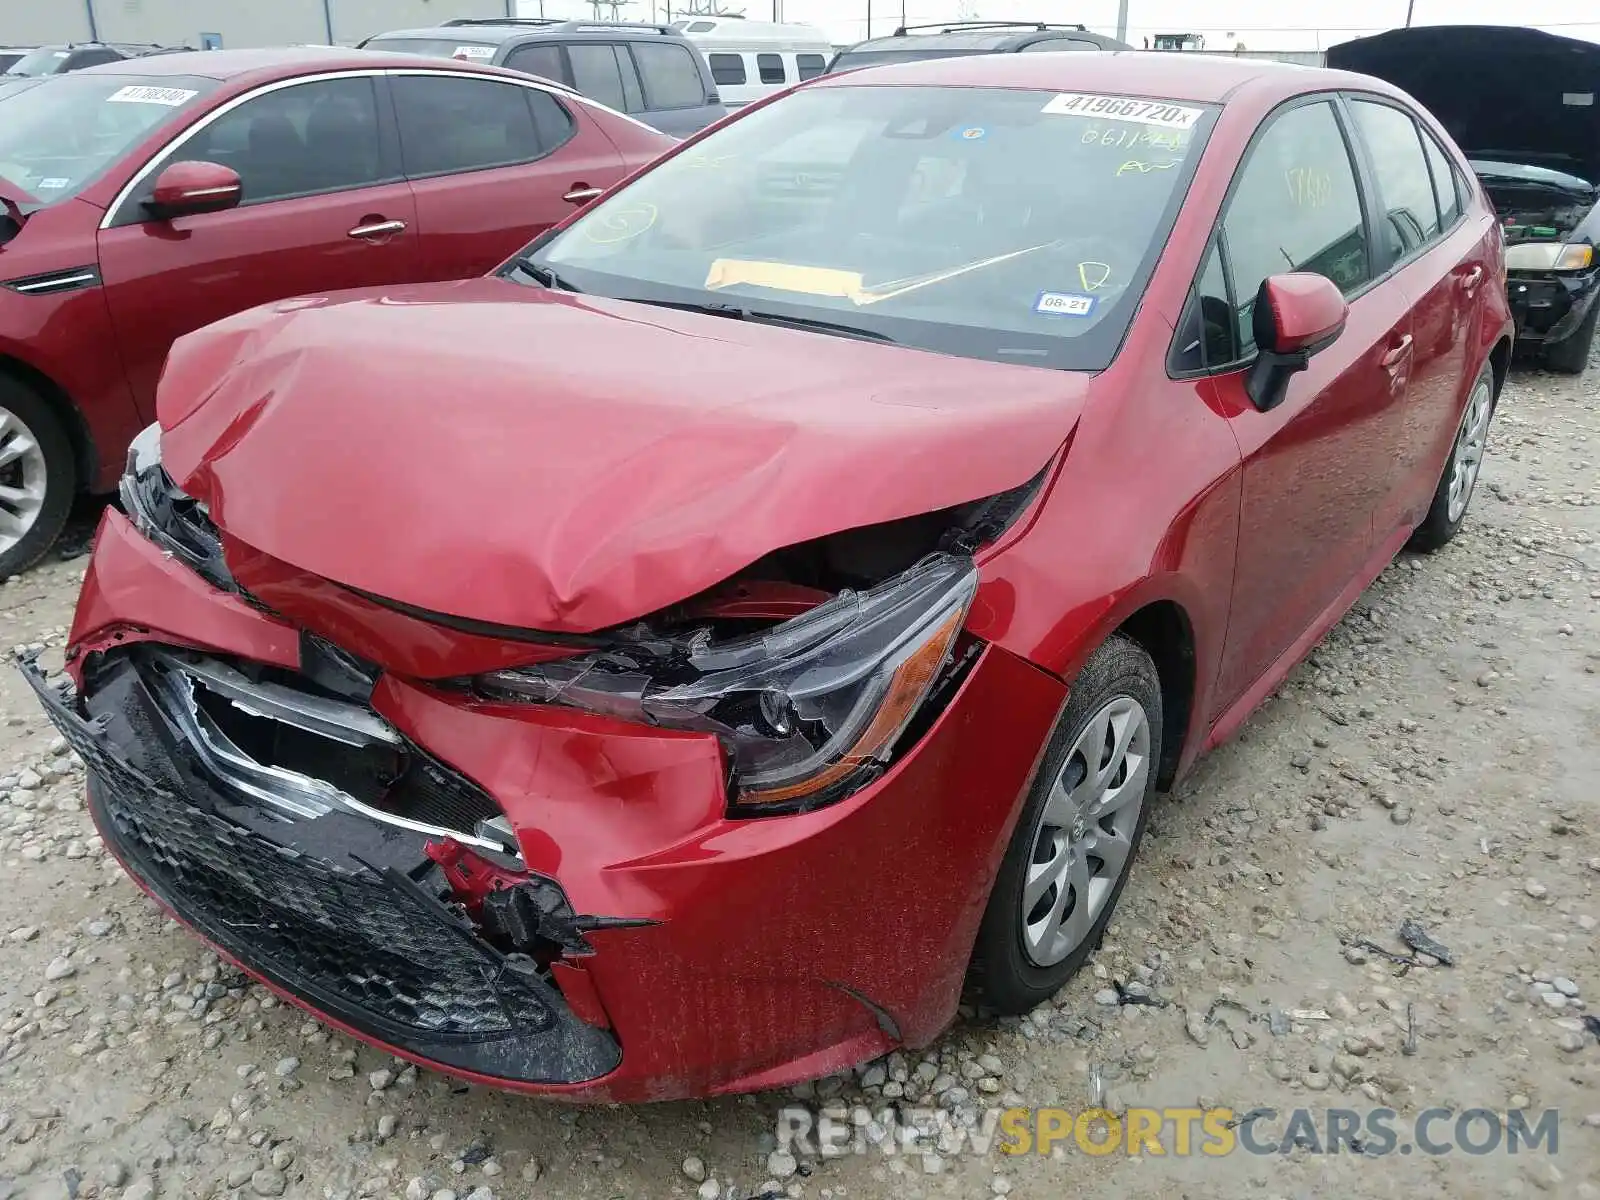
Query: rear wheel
(1460, 478)
(1075, 841)
(37, 477)
(1570, 355)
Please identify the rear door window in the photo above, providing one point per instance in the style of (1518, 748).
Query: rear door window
(596, 74)
(771, 68)
(670, 75)
(1295, 207)
(1405, 183)
(449, 125)
(727, 69)
(810, 65)
(1446, 182)
(543, 61)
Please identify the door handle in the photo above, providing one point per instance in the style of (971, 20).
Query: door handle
(582, 193)
(1397, 353)
(1472, 278)
(378, 229)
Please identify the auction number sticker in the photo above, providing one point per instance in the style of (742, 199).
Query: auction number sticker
(474, 53)
(1124, 108)
(171, 97)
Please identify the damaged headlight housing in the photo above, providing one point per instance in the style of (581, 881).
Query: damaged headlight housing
(809, 709)
(171, 519)
(1549, 256)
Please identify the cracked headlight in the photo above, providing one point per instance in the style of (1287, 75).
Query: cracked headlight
(808, 710)
(1549, 256)
(172, 520)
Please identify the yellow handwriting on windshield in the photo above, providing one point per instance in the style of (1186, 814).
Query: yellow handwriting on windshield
(845, 285)
(1094, 275)
(1143, 168)
(620, 223)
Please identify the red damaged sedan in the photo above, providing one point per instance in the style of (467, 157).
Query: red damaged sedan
(672, 665)
(142, 200)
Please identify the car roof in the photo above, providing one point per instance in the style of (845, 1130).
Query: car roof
(284, 61)
(1199, 78)
(529, 28)
(990, 37)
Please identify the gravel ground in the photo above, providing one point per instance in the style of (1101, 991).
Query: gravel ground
(1437, 758)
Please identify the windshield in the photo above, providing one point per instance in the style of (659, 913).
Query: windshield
(1018, 226)
(57, 137)
(39, 62)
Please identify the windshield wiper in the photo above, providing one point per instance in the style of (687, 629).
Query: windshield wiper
(543, 275)
(15, 211)
(737, 312)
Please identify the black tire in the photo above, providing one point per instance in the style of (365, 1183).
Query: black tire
(1010, 982)
(1570, 355)
(61, 475)
(1438, 527)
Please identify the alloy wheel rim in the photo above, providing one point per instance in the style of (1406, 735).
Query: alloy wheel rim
(1084, 836)
(23, 477)
(1467, 458)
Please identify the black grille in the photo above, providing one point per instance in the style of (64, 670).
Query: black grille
(365, 945)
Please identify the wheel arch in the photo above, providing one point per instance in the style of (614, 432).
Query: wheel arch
(1500, 363)
(72, 420)
(1163, 629)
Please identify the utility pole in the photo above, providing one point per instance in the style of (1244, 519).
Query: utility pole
(1411, 7)
(869, 20)
(1122, 20)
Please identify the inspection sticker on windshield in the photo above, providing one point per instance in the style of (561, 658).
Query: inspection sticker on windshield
(1064, 304)
(171, 97)
(1124, 108)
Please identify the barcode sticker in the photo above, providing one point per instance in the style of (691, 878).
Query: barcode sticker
(1124, 108)
(171, 97)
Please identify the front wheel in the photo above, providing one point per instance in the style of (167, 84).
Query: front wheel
(37, 477)
(1460, 478)
(1075, 841)
(1570, 355)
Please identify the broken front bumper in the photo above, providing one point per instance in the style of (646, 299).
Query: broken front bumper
(341, 925)
(1548, 306)
(731, 954)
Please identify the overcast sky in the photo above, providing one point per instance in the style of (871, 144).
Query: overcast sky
(1259, 24)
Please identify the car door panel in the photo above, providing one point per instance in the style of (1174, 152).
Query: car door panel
(472, 214)
(164, 279)
(1433, 252)
(324, 207)
(1316, 467)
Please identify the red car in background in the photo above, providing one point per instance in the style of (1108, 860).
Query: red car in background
(142, 200)
(844, 530)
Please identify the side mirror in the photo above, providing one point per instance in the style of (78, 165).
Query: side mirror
(1295, 316)
(187, 188)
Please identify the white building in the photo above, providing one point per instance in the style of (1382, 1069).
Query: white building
(232, 22)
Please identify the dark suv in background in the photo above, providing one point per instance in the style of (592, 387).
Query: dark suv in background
(74, 56)
(910, 43)
(651, 72)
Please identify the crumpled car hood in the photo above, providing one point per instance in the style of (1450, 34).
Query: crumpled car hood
(567, 463)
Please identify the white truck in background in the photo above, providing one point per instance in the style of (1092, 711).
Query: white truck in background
(752, 59)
